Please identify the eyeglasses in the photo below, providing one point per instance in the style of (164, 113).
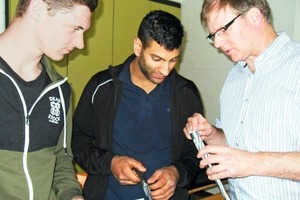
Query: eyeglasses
(220, 31)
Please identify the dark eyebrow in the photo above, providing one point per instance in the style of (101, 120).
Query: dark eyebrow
(154, 55)
(77, 27)
(80, 27)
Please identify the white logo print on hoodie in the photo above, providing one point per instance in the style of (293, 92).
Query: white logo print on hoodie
(54, 116)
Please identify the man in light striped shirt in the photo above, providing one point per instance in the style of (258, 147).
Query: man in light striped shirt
(256, 140)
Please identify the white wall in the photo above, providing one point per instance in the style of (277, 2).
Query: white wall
(296, 22)
(207, 67)
(2, 16)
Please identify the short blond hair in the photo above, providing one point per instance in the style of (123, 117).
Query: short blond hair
(239, 5)
(56, 5)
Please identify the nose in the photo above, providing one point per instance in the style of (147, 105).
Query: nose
(219, 40)
(79, 41)
(165, 69)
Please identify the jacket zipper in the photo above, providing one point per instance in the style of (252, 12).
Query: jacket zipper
(27, 123)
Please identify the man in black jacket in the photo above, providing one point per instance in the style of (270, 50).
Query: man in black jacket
(130, 117)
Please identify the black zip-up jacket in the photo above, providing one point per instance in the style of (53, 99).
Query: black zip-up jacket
(93, 124)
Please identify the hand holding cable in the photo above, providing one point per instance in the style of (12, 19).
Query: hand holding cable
(199, 145)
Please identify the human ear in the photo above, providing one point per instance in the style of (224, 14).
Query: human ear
(36, 9)
(255, 17)
(137, 46)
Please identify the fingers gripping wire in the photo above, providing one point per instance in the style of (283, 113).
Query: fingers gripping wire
(199, 145)
(144, 183)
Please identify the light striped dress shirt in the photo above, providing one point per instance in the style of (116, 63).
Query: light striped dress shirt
(260, 112)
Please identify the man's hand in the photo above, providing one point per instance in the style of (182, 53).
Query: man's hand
(227, 162)
(122, 169)
(208, 133)
(163, 183)
(198, 123)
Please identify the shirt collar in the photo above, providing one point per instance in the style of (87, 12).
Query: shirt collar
(268, 54)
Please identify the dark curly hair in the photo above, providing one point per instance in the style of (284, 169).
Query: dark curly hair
(162, 27)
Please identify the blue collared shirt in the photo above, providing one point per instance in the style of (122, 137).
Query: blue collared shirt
(142, 130)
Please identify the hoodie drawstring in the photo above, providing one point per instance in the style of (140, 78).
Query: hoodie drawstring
(65, 119)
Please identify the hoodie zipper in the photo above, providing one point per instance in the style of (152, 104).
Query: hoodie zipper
(27, 123)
